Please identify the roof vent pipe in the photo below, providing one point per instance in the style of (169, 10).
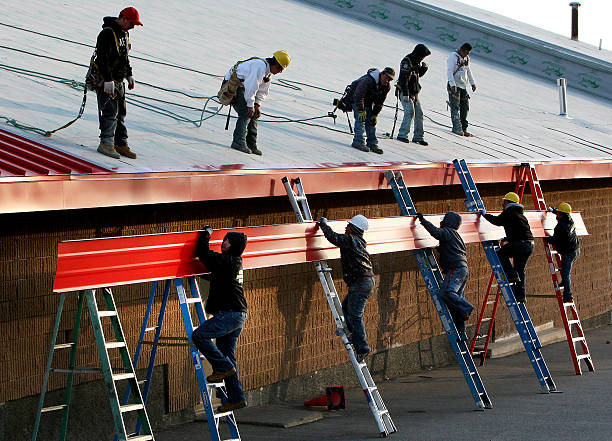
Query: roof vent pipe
(562, 83)
(575, 6)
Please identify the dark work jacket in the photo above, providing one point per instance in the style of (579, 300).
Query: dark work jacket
(355, 259)
(226, 292)
(368, 92)
(112, 55)
(411, 69)
(452, 249)
(514, 222)
(564, 237)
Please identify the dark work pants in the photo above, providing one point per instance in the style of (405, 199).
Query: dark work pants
(111, 114)
(519, 251)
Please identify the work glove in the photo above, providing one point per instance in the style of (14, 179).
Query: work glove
(423, 68)
(109, 88)
(131, 82)
(398, 89)
(250, 112)
(362, 115)
(473, 87)
(322, 220)
(420, 216)
(207, 230)
(373, 119)
(482, 211)
(257, 111)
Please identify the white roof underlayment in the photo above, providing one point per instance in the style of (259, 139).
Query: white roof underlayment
(513, 116)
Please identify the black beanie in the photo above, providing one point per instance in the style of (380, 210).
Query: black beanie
(237, 242)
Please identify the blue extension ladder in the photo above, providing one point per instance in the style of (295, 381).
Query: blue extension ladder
(518, 311)
(433, 277)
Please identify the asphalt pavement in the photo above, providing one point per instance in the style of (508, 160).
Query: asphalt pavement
(437, 405)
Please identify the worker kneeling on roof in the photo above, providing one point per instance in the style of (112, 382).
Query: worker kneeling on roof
(227, 305)
(358, 275)
(453, 262)
(244, 87)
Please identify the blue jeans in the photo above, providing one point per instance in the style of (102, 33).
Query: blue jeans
(459, 107)
(412, 109)
(567, 260)
(452, 292)
(352, 307)
(245, 133)
(519, 251)
(366, 127)
(226, 327)
(111, 116)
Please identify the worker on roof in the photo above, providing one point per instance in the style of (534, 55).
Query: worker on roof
(227, 305)
(407, 90)
(453, 262)
(518, 243)
(567, 245)
(459, 78)
(245, 86)
(367, 95)
(110, 66)
(358, 275)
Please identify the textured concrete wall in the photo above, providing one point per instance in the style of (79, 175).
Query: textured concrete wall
(424, 22)
(288, 348)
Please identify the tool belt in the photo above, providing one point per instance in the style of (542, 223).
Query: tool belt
(228, 89)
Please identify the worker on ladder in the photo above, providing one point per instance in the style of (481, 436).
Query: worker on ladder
(518, 243)
(567, 245)
(227, 305)
(453, 262)
(358, 275)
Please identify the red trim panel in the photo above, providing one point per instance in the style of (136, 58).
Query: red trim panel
(95, 263)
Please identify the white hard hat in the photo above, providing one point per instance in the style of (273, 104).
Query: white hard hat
(360, 222)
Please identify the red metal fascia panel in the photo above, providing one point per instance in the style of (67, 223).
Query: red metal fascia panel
(95, 263)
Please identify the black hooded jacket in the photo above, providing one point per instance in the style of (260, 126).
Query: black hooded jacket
(564, 237)
(112, 49)
(452, 249)
(411, 69)
(514, 222)
(226, 291)
(368, 92)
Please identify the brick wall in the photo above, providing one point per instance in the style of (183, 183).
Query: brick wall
(289, 331)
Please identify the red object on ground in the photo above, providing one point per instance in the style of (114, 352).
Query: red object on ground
(319, 401)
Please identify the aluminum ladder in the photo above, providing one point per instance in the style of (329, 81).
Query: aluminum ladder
(569, 311)
(518, 311)
(385, 424)
(112, 376)
(206, 389)
(433, 278)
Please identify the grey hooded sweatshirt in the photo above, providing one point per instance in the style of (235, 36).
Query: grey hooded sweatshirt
(453, 252)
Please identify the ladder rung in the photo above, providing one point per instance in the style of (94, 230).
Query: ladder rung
(215, 385)
(130, 407)
(140, 438)
(107, 313)
(126, 376)
(115, 344)
(194, 300)
(575, 339)
(488, 319)
(63, 346)
(222, 414)
(152, 328)
(52, 408)
(580, 357)
(573, 322)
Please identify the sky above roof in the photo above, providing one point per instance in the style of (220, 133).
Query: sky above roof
(179, 54)
(555, 16)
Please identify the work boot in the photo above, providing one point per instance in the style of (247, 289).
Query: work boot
(567, 299)
(376, 149)
(255, 151)
(217, 376)
(124, 150)
(241, 148)
(108, 150)
(402, 139)
(466, 133)
(420, 141)
(458, 132)
(360, 356)
(362, 147)
(227, 407)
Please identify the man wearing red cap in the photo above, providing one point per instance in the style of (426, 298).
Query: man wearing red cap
(113, 64)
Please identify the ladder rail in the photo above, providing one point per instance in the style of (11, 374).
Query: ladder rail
(433, 277)
(518, 311)
(381, 415)
(491, 320)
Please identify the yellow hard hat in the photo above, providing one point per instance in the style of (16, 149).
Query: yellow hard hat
(512, 197)
(564, 207)
(283, 58)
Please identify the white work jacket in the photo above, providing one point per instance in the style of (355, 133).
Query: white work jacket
(458, 71)
(253, 72)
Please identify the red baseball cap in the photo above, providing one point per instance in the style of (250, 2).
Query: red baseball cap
(132, 15)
